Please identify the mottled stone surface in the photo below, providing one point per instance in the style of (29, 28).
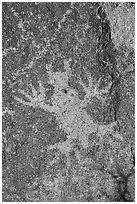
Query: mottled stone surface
(68, 102)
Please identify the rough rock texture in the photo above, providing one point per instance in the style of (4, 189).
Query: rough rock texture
(122, 20)
(68, 93)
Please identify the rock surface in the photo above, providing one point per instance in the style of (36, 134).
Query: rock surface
(68, 97)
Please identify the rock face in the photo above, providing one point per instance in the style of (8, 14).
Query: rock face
(122, 20)
(68, 102)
